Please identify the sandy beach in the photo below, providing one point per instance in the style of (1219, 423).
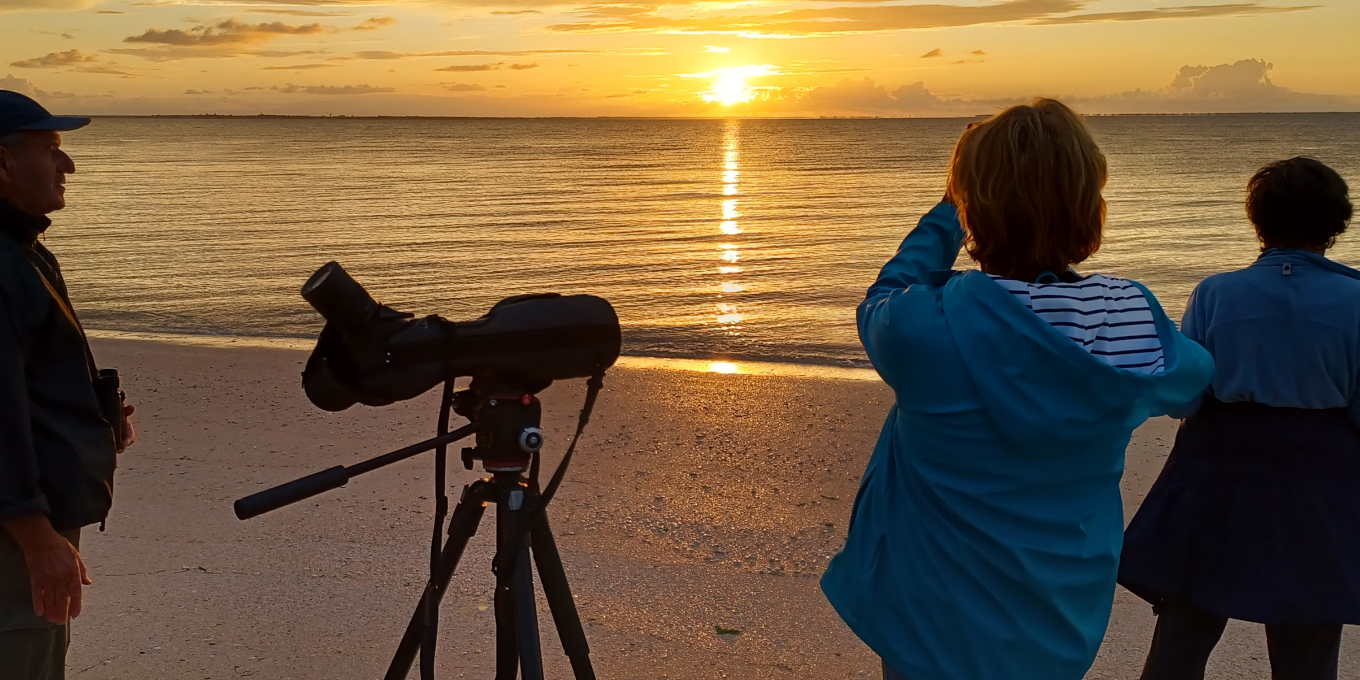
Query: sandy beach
(696, 501)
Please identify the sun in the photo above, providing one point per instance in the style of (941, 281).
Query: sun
(730, 86)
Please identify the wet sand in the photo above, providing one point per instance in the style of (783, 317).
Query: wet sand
(696, 501)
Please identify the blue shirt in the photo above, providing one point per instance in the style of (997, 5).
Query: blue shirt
(1283, 332)
(985, 538)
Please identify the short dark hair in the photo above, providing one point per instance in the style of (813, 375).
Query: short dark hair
(1028, 184)
(1298, 203)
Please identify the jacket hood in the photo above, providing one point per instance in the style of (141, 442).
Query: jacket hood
(1044, 392)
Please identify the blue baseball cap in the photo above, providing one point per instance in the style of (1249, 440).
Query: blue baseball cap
(18, 112)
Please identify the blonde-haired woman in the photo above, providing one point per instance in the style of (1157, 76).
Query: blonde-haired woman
(985, 538)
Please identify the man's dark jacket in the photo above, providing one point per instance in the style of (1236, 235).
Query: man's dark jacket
(57, 453)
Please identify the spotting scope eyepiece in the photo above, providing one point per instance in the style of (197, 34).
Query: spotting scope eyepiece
(372, 354)
(337, 297)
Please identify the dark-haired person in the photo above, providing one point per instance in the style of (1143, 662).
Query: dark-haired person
(985, 538)
(1256, 514)
(57, 449)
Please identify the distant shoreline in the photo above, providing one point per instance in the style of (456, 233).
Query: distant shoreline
(281, 116)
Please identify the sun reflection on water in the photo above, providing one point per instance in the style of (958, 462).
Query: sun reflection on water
(729, 317)
(722, 367)
(730, 207)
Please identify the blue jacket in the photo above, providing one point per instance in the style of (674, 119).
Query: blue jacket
(1283, 332)
(985, 538)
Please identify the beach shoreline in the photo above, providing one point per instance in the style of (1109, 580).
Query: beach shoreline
(697, 501)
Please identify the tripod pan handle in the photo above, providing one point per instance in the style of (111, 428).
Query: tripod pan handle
(291, 492)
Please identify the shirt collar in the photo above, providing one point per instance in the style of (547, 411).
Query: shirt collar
(1280, 256)
(21, 226)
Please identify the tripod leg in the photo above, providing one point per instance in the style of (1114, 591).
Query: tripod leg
(558, 592)
(507, 642)
(441, 509)
(516, 612)
(466, 516)
(526, 615)
(507, 645)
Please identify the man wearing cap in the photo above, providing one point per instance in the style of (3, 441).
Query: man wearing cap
(57, 447)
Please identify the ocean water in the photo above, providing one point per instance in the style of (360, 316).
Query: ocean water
(718, 239)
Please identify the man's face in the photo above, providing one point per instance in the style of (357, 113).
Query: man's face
(33, 171)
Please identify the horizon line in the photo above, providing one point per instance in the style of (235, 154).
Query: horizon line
(549, 117)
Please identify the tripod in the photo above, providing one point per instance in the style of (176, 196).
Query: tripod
(518, 531)
(505, 419)
(508, 442)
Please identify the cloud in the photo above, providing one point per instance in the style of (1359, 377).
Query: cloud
(227, 38)
(1243, 86)
(522, 67)
(464, 87)
(109, 11)
(297, 12)
(282, 53)
(1186, 12)
(228, 32)
(865, 96)
(26, 87)
(855, 18)
(978, 53)
(299, 67)
(194, 92)
(102, 69)
(56, 59)
(461, 68)
(21, 85)
(717, 50)
(47, 5)
(78, 62)
(933, 53)
(518, 11)
(334, 90)
(384, 54)
(376, 23)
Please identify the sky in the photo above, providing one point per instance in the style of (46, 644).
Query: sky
(679, 57)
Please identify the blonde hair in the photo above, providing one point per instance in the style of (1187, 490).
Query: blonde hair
(1027, 184)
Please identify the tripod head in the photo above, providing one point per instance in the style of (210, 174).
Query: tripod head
(508, 418)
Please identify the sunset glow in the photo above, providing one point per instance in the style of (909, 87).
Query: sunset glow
(785, 58)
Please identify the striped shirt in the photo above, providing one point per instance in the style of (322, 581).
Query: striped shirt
(1108, 317)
